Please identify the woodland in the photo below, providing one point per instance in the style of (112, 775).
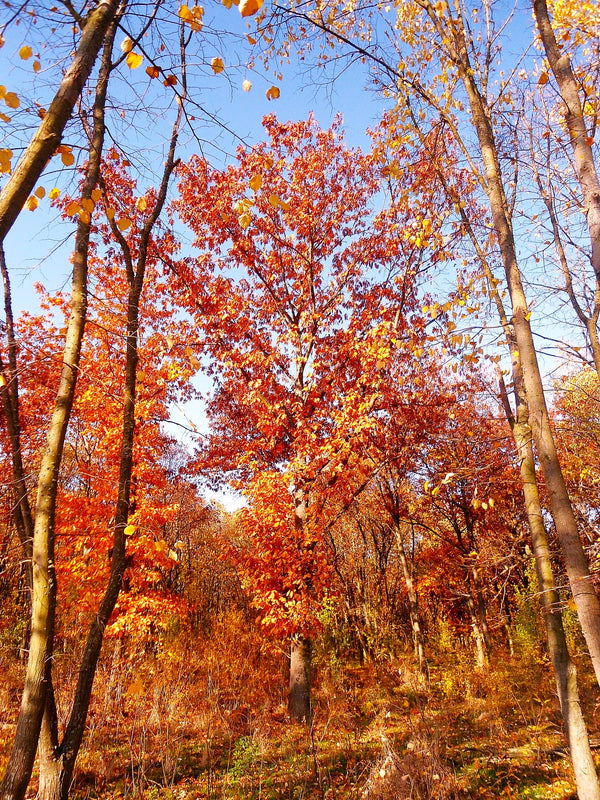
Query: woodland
(300, 462)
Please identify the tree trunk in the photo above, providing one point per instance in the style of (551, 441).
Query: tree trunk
(59, 769)
(39, 664)
(480, 648)
(576, 563)
(413, 606)
(299, 705)
(479, 600)
(568, 86)
(49, 133)
(565, 673)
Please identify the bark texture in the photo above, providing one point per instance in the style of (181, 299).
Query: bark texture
(299, 705)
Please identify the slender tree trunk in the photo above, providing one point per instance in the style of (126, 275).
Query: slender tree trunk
(413, 610)
(299, 705)
(568, 86)
(299, 701)
(39, 664)
(576, 563)
(565, 672)
(60, 766)
(9, 388)
(49, 133)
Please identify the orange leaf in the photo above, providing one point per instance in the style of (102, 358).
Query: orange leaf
(217, 65)
(249, 7)
(11, 100)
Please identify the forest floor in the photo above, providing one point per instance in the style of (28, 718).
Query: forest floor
(211, 723)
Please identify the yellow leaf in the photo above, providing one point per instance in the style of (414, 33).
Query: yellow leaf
(4, 117)
(72, 208)
(256, 182)
(246, 85)
(11, 100)
(67, 158)
(127, 45)
(123, 223)
(96, 195)
(251, 39)
(25, 52)
(245, 220)
(142, 204)
(110, 213)
(274, 200)
(31, 203)
(543, 79)
(273, 93)
(217, 65)
(85, 217)
(133, 60)
(152, 71)
(249, 7)
(40, 192)
(54, 194)
(185, 13)
(87, 204)
(36, 66)
(129, 530)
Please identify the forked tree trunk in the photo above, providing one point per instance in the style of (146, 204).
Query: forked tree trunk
(299, 705)
(59, 767)
(41, 644)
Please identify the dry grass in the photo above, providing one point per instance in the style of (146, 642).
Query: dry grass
(207, 719)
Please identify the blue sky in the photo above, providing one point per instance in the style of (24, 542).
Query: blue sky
(39, 245)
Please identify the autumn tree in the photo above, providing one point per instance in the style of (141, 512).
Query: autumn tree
(302, 295)
(455, 87)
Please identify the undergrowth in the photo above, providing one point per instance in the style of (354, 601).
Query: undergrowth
(207, 719)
